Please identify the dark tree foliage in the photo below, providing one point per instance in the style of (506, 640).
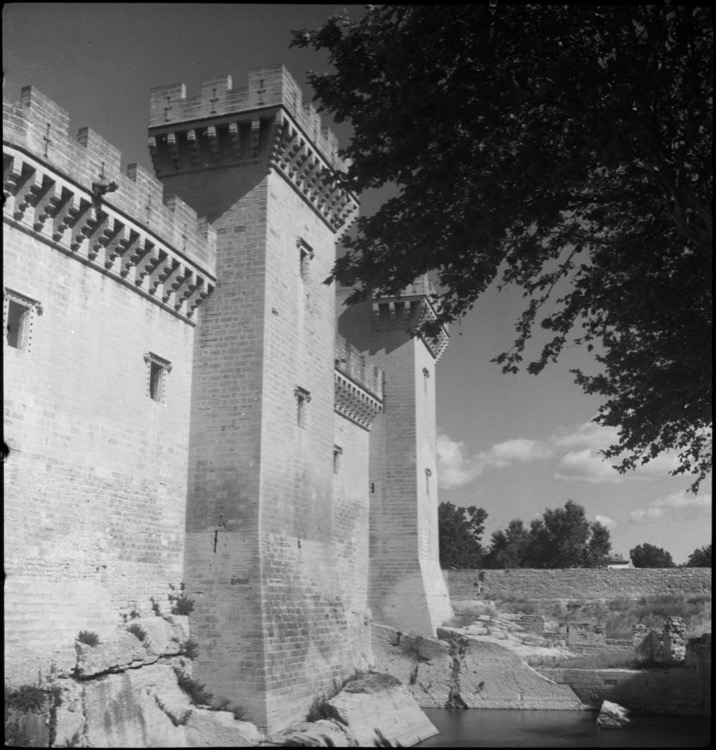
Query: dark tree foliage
(700, 558)
(562, 538)
(508, 547)
(648, 556)
(562, 148)
(461, 530)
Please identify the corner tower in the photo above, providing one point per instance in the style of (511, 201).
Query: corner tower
(406, 588)
(269, 616)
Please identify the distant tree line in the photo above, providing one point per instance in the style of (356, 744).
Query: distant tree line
(561, 538)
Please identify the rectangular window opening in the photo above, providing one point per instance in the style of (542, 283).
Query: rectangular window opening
(18, 318)
(337, 453)
(157, 370)
(302, 399)
(305, 255)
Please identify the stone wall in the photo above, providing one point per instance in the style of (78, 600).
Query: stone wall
(661, 691)
(95, 481)
(577, 583)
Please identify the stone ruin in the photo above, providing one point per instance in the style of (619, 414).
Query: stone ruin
(583, 634)
(666, 645)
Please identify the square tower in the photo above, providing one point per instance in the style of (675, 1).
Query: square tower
(406, 589)
(269, 615)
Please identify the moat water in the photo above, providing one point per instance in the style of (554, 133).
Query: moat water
(503, 728)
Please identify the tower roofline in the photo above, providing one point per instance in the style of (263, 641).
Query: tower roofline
(271, 86)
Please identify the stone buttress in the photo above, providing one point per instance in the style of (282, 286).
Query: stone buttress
(272, 616)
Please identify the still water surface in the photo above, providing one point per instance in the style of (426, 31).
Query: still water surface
(502, 728)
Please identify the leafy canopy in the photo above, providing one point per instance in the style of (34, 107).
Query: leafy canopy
(562, 148)
(700, 558)
(649, 556)
(460, 532)
(562, 538)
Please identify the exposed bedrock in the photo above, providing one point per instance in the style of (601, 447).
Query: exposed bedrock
(457, 671)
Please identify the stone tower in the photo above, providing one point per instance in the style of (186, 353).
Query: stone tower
(270, 614)
(407, 589)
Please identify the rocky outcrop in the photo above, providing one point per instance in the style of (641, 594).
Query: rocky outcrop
(164, 636)
(380, 712)
(460, 671)
(612, 716)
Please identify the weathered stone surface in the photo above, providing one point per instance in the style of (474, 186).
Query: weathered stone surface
(321, 733)
(422, 664)
(612, 716)
(219, 729)
(674, 639)
(165, 635)
(69, 714)
(460, 671)
(120, 651)
(378, 709)
(125, 710)
(488, 675)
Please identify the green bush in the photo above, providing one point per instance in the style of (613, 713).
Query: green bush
(181, 603)
(190, 649)
(88, 637)
(137, 630)
(196, 690)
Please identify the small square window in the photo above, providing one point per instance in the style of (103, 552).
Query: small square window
(157, 371)
(19, 314)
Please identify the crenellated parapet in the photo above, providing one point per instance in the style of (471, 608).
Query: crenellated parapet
(265, 122)
(72, 193)
(358, 385)
(409, 310)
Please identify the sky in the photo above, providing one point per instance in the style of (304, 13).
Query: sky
(511, 444)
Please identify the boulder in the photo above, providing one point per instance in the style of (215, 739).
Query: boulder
(612, 716)
(380, 711)
(321, 733)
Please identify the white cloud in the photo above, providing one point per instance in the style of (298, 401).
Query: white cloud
(577, 451)
(610, 523)
(586, 466)
(455, 466)
(520, 449)
(679, 506)
(588, 435)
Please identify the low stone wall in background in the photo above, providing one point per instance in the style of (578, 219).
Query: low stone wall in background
(577, 583)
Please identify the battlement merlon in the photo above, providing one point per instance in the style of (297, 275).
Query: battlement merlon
(268, 87)
(40, 127)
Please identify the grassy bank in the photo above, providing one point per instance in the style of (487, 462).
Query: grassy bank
(619, 615)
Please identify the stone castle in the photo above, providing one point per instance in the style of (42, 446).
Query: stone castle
(186, 401)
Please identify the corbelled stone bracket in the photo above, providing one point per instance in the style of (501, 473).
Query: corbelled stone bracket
(59, 212)
(355, 403)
